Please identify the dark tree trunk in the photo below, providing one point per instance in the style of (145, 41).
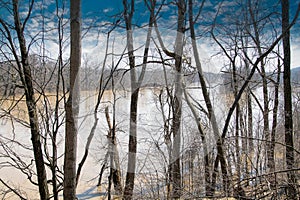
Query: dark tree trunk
(288, 114)
(132, 147)
(211, 114)
(271, 161)
(135, 87)
(132, 144)
(27, 81)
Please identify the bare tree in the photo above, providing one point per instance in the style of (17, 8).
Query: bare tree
(288, 113)
(24, 70)
(177, 101)
(176, 178)
(72, 105)
(210, 110)
(255, 64)
(257, 41)
(135, 87)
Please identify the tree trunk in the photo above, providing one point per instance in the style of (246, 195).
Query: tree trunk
(211, 113)
(177, 103)
(27, 81)
(72, 105)
(135, 87)
(237, 123)
(250, 144)
(132, 144)
(274, 126)
(266, 129)
(288, 114)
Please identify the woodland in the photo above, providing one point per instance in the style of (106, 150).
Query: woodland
(158, 99)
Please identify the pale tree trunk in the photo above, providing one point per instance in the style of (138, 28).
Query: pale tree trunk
(115, 172)
(248, 148)
(249, 133)
(72, 105)
(288, 114)
(26, 78)
(237, 124)
(205, 146)
(177, 103)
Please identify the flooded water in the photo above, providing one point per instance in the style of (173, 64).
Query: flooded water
(152, 151)
(15, 136)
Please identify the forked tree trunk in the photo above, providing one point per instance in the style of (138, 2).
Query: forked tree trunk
(135, 87)
(211, 114)
(115, 172)
(205, 145)
(72, 105)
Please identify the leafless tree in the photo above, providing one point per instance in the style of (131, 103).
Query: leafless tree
(176, 179)
(72, 105)
(135, 87)
(238, 95)
(210, 110)
(21, 56)
(288, 114)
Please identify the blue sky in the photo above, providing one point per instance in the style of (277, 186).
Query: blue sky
(92, 6)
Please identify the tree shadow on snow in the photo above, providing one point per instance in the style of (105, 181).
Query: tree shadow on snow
(90, 193)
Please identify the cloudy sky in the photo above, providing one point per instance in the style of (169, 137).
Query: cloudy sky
(105, 10)
(98, 15)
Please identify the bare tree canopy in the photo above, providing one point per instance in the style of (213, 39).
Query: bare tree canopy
(167, 99)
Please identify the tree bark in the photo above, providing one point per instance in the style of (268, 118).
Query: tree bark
(237, 124)
(72, 105)
(132, 144)
(27, 81)
(288, 114)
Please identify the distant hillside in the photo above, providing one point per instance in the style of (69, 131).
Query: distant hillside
(295, 76)
(46, 75)
(297, 69)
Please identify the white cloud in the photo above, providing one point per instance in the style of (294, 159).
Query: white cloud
(107, 10)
